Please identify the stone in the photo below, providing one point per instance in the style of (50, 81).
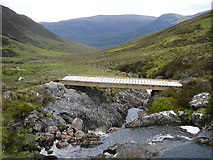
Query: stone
(70, 133)
(80, 134)
(77, 123)
(34, 93)
(48, 121)
(204, 137)
(38, 127)
(112, 129)
(50, 151)
(200, 119)
(61, 144)
(49, 137)
(58, 121)
(87, 105)
(21, 78)
(67, 118)
(9, 95)
(58, 134)
(200, 100)
(52, 129)
(181, 113)
(161, 118)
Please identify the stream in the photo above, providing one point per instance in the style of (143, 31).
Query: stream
(171, 141)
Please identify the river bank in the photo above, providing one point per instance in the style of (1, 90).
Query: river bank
(87, 123)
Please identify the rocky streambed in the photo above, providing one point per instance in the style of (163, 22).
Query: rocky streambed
(87, 124)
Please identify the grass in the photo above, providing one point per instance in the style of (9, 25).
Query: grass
(172, 53)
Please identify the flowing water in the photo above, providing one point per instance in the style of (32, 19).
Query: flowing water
(171, 140)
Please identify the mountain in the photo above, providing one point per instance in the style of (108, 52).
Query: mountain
(21, 29)
(104, 31)
(182, 51)
(98, 31)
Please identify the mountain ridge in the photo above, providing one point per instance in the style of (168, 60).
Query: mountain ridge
(103, 31)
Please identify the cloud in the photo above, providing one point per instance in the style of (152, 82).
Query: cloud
(55, 10)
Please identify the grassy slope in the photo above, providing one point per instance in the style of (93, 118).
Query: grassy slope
(25, 30)
(177, 52)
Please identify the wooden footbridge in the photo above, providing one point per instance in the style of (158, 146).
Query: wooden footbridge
(120, 82)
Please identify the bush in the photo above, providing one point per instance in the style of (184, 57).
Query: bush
(162, 104)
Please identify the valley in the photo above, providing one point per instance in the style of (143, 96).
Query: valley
(43, 118)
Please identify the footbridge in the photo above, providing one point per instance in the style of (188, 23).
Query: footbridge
(120, 82)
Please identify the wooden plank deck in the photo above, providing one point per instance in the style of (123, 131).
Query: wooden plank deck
(120, 82)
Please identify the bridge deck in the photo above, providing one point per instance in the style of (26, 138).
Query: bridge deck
(120, 82)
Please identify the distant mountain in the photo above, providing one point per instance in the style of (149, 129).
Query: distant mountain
(108, 30)
(22, 29)
(182, 51)
(98, 31)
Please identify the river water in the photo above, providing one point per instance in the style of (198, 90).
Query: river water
(170, 140)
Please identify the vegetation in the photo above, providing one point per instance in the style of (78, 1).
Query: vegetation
(182, 52)
(178, 100)
(178, 52)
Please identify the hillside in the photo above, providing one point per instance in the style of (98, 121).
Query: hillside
(182, 51)
(24, 30)
(104, 31)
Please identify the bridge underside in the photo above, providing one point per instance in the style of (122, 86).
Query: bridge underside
(120, 82)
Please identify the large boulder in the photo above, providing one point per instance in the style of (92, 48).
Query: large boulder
(204, 137)
(161, 118)
(200, 119)
(79, 104)
(200, 100)
(132, 97)
(77, 123)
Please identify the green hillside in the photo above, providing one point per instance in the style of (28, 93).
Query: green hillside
(179, 52)
(24, 30)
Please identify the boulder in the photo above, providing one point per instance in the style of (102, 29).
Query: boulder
(61, 144)
(9, 95)
(77, 123)
(80, 134)
(70, 133)
(161, 118)
(58, 134)
(204, 137)
(38, 126)
(112, 129)
(21, 78)
(132, 97)
(200, 119)
(92, 111)
(51, 129)
(200, 100)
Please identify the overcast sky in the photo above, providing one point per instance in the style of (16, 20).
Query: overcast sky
(56, 10)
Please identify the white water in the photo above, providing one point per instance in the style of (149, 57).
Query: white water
(191, 129)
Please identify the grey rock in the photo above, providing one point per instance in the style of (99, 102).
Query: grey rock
(52, 129)
(132, 97)
(78, 104)
(21, 78)
(67, 118)
(58, 121)
(61, 144)
(38, 126)
(77, 123)
(161, 118)
(200, 119)
(9, 95)
(34, 93)
(48, 121)
(204, 137)
(200, 100)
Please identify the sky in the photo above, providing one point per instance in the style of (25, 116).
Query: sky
(56, 10)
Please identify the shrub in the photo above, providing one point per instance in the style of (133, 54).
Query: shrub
(162, 104)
